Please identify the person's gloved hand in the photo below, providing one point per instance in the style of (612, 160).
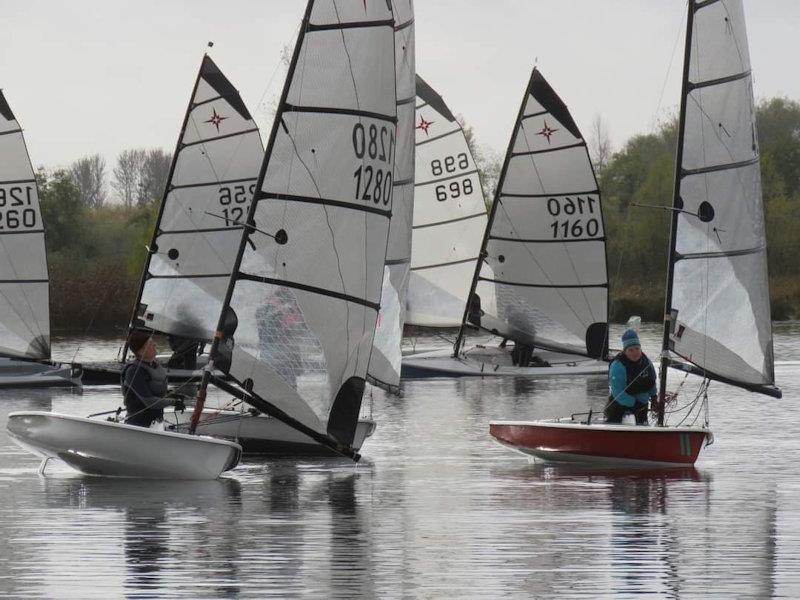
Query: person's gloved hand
(179, 405)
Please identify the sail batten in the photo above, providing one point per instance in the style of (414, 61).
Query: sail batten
(717, 288)
(209, 188)
(449, 215)
(24, 277)
(543, 258)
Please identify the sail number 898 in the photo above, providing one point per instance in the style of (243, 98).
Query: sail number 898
(454, 189)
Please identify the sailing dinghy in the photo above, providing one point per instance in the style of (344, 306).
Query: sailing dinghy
(717, 318)
(299, 314)
(24, 281)
(541, 278)
(111, 449)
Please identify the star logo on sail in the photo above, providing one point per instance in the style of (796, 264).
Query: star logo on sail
(546, 132)
(424, 125)
(216, 119)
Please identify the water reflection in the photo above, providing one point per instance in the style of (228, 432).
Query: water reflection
(435, 509)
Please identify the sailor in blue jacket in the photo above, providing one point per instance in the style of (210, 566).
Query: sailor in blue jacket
(631, 381)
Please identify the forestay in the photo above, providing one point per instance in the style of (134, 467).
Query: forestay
(720, 295)
(384, 366)
(196, 239)
(24, 287)
(545, 257)
(306, 291)
(449, 216)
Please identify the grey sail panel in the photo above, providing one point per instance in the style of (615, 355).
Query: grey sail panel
(384, 368)
(720, 290)
(305, 297)
(449, 216)
(24, 280)
(197, 235)
(544, 271)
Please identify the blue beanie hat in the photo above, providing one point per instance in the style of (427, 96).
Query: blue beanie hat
(630, 338)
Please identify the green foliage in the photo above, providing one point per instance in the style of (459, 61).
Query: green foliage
(642, 173)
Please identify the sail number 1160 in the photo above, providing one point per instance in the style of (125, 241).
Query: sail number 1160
(569, 213)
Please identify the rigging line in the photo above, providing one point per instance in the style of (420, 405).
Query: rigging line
(669, 68)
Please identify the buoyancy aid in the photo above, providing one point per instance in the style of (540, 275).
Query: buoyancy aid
(641, 375)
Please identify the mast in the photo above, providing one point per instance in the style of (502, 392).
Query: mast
(673, 228)
(492, 212)
(303, 321)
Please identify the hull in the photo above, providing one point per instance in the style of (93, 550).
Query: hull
(111, 449)
(600, 443)
(109, 373)
(261, 434)
(18, 373)
(495, 362)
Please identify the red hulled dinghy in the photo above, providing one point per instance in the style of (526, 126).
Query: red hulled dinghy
(570, 441)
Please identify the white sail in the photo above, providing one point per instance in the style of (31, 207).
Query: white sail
(24, 283)
(384, 366)
(306, 292)
(196, 240)
(545, 257)
(720, 295)
(449, 216)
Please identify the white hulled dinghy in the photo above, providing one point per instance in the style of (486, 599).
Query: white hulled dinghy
(717, 318)
(111, 449)
(24, 280)
(541, 278)
(296, 332)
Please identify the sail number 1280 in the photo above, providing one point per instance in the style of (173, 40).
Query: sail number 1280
(373, 182)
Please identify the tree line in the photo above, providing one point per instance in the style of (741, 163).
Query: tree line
(97, 231)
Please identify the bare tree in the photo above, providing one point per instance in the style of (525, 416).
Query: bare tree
(600, 144)
(89, 174)
(155, 170)
(128, 175)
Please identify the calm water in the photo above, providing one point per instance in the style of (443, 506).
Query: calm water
(435, 509)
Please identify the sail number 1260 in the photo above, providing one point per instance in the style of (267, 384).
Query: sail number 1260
(373, 182)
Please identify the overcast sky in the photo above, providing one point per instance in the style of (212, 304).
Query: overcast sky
(87, 76)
